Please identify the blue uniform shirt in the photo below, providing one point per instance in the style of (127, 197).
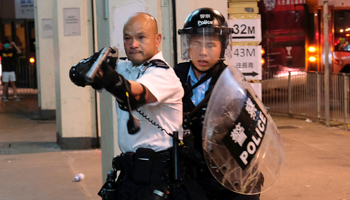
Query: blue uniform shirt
(199, 91)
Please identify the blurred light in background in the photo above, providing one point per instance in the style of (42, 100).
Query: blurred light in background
(312, 58)
(32, 60)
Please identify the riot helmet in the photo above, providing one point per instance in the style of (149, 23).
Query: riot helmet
(207, 23)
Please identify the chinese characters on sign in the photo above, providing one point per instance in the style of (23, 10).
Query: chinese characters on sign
(240, 65)
(248, 60)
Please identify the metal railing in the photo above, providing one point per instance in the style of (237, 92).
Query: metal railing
(26, 79)
(302, 94)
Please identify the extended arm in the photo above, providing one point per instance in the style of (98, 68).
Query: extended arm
(115, 83)
(15, 46)
(137, 90)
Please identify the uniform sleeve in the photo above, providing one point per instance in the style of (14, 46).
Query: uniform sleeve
(121, 67)
(163, 84)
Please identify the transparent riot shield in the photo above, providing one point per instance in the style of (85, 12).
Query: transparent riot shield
(241, 144)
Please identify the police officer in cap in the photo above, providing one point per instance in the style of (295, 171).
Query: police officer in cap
(204, 41)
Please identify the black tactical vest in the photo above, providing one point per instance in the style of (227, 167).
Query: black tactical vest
(181, 71)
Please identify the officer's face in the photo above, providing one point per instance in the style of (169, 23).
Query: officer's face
(205, 51)
(141, 39)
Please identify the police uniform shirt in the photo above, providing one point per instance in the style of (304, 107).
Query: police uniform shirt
(199, 91)
(166, 111)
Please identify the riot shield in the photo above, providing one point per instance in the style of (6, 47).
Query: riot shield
(241, 144)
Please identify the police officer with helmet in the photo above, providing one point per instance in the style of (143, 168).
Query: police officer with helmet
(204, 41)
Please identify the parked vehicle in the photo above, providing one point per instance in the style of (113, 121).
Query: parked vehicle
(293, 35)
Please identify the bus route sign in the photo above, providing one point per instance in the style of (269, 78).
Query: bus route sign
(245, 30)
(248, 60)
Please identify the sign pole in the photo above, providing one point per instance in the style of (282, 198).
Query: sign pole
(326, 60)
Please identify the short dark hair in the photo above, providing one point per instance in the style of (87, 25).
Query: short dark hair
(6, 41)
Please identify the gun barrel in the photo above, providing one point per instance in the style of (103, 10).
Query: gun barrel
(92, 72)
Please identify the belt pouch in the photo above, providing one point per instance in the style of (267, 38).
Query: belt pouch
(117, 163)
(144, 159)
(128, 162)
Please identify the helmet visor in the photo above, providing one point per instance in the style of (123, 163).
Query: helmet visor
(211, 41)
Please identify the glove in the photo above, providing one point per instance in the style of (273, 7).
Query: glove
(102, 78)
(106, 77)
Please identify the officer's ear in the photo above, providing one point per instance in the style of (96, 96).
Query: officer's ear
(158, 39)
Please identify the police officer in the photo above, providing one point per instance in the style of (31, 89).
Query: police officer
(204, 40)
(145, 84)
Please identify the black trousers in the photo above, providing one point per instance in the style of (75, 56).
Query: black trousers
(188, 190)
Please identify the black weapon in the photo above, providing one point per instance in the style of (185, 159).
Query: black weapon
(133, 124)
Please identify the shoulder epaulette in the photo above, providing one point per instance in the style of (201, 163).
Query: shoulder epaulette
(158, 63)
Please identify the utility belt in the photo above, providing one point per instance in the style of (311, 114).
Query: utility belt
(155, 172)
(143, 164)
(143, 167)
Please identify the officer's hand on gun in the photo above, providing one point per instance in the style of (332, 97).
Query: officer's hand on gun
(104, 76)
(98, 71)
